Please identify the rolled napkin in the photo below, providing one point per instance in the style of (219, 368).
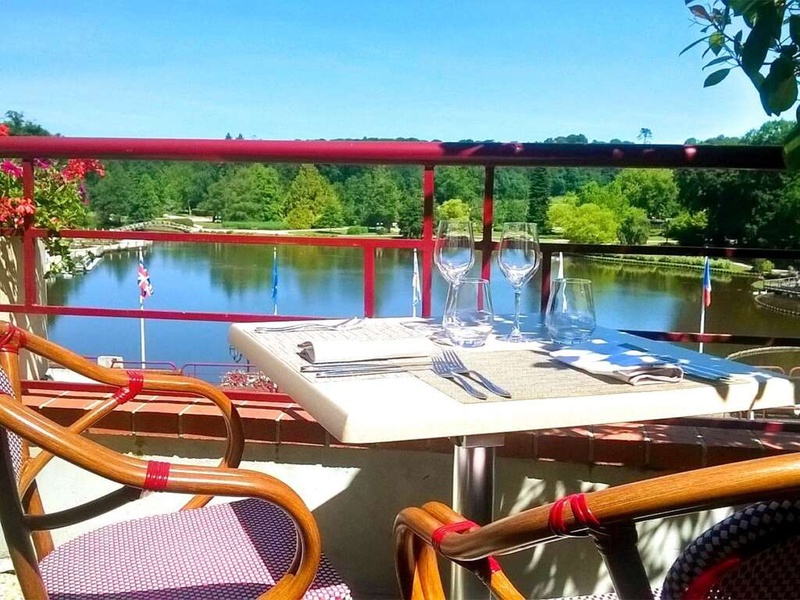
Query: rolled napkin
(632, 366)
(328, 351)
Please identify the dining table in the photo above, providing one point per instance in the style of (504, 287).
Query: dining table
(415, 403)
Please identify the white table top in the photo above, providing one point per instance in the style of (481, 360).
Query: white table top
(401, 406)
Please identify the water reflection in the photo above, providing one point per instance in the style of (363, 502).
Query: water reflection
(329, 282)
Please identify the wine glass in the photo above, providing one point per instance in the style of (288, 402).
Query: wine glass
(519, 258)
(453, 250)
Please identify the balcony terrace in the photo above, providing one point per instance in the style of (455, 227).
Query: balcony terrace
(341, 482)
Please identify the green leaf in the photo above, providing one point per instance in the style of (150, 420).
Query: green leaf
(748, 8)
(794, 28)
(716, 61)
(693, 44)
(716, 77)
(779, 89)
(761, 37)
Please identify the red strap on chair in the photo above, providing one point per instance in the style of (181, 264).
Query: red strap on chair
(6, 341)
(580, 511)
(157, 476)
(130, 391)
(458, 527)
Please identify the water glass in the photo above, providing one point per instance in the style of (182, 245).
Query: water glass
(453, 251)
(570, 315)
(468, 315)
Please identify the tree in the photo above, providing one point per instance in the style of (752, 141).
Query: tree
(372, 198)
(453, 209)
(409, 217)
(768, 55)
(247, 193)
(459, 182)
(645, 135)
(311, 196)
(634, 227)
(19, 125)
(539, 196)
(589, 224)
(583, 223)
(609, 196)
(652, 190)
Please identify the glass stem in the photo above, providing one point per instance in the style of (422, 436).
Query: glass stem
(517, 295)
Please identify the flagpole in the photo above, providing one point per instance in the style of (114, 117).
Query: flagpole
(415, 291)
(141, 319)
(274, 280)
(704, 299)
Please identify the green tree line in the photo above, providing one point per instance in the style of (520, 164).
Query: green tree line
(583, 205)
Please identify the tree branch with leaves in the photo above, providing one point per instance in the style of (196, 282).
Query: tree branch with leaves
(762, 38)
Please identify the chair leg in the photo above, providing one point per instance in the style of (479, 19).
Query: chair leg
(18, 539)
(32, 505)
(617, 546)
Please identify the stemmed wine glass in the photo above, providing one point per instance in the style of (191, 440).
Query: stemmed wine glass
(519, 258)
(453, 251)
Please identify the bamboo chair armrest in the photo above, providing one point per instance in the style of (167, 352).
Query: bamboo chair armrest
(185, 479)
(679, 493)
(152, 382)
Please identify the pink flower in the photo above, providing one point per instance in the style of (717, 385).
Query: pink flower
(4, 130)
(9, 168)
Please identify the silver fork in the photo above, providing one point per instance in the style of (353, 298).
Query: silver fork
(442, 370)
(301, 326)
(457, 366)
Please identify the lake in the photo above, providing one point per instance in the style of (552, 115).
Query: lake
(329, 282)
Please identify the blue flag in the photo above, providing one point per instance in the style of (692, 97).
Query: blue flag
(275, 281)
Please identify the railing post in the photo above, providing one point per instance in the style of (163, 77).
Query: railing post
(427, 239)
(488, 222)
(369, 282)
(28, 240)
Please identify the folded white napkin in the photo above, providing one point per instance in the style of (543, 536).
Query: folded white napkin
(327, 351)
(632, 366)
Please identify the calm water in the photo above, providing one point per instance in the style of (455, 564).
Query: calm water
(328, 282)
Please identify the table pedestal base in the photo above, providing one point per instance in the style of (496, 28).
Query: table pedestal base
(473, 497)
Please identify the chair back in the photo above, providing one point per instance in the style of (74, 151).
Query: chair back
(13, 445)
(751, 554)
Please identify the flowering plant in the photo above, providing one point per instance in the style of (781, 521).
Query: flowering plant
(59, 197)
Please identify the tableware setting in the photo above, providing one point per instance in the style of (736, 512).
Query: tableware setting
(600, 357)
(453, 250)
(468, 316)
(332, 325)
(570, 316)
(518, 257)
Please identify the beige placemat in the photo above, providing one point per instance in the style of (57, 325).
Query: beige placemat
(532, 375)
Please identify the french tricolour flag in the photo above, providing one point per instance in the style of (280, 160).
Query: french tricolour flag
(706, 284)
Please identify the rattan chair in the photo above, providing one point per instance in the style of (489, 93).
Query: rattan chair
(266, 546)
(751, 554)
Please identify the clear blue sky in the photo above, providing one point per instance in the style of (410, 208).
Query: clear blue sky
(520, 70)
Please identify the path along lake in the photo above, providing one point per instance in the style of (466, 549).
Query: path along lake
(328, 282)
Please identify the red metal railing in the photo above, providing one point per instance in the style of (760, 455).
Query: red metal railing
(425, 154)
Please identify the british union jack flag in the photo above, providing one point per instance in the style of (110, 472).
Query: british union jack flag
(143, 278)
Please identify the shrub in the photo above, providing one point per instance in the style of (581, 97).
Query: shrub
(762, 266)
(634, 228)
(357, 230)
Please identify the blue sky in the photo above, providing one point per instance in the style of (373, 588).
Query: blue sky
(520, 70)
